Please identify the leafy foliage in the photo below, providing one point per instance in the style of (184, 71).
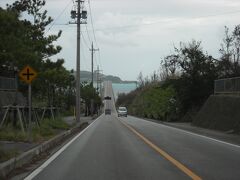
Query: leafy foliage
(151, 102)
(42, 44)
(230, 54)
(198, 72)
(24, 41)
(15, 46)
(88, 93)
(186, 79)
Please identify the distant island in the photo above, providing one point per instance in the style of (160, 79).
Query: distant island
(86, 76)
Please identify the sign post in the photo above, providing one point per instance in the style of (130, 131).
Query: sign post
(28, 75)
(30, 111)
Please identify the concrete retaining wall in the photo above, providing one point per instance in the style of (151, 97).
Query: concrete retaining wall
(220, 113)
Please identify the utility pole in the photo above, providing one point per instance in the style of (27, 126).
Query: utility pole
(81, 17)
(99, 85)
(78, 95)
(97, 78)
(92, 101)
(92, 52)
(97, 74)
(100, 77)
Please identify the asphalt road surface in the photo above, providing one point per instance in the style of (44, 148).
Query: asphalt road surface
(131, 148)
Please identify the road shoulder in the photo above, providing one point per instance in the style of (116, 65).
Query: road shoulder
(44, 150)
(188, 127)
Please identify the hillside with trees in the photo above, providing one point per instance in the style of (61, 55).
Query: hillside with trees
(184, 81)
(86, 76)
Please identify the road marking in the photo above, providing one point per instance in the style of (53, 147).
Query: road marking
(55, 155)
(188, 132)
(164, 154)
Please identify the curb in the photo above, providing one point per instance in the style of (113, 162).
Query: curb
(26, 157)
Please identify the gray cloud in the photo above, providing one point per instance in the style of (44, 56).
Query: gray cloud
(133, 35)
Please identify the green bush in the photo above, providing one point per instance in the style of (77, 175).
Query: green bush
(154, 102)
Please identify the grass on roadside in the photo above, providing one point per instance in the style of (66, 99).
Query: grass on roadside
(48, 128)
(11, 134)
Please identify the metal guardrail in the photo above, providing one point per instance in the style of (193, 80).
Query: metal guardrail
(7, 83)
(227, 86)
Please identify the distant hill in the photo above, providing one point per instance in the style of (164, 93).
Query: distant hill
(87, 76)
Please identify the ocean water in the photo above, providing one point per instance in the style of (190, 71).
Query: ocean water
(123, 88)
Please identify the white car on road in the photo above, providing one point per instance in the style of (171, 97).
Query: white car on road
(122, 111)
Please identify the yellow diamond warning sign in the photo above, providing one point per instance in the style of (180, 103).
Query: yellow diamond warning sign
(28, 74)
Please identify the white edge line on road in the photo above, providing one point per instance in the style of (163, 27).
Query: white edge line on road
(55, 155)
(195, 134)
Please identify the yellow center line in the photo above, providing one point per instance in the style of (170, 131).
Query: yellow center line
(164, 154)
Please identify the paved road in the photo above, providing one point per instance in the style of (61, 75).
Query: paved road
(108, 91)
(130, 148)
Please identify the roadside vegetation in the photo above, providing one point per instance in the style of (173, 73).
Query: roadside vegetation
(184, 80)
(47, 129)
(5, 155)
(26, 40)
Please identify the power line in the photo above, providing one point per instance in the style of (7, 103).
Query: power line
(84, 59)
(61, 24)
(84, 40)
(61, 13)
(92, 53)
(96, 63)
(90, 40)
(94, 34)
(91, 18)
(99, 57)
(163, 21)
(156, 22)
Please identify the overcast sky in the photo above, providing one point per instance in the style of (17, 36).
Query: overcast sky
(133, 35)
